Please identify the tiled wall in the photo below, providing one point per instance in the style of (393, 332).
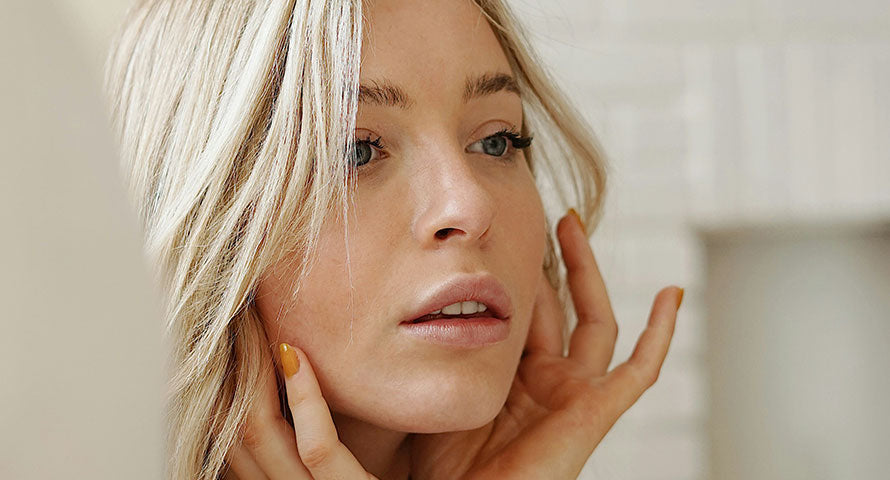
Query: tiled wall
(715, 114)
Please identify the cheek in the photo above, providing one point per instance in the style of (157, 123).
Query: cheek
(328, 317)
(316, 321)
(314, 316)
(528, 251)
(526, 236)
(292, 320)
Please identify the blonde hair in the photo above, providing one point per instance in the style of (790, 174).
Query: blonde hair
(234, 119)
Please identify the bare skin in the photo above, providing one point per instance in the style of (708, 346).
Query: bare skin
(515, 409)
(558, 410)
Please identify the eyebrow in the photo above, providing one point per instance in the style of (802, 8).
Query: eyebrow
(386, 94)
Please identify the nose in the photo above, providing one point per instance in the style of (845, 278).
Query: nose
(454, 200)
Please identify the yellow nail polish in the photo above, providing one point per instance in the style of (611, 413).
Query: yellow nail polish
(578, 218)
(289, 360)
(680, 300)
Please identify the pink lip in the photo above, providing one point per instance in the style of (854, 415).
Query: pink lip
(483, 288)
(463, 332)
(460, 332)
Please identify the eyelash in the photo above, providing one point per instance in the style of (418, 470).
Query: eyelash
(517, 142)
(375, 143)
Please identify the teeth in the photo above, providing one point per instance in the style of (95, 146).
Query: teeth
(462, 308)
(453, 309)
(468, 307)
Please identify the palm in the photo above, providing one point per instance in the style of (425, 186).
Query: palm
(559, 407)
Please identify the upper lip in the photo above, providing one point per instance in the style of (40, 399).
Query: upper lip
(482, 288)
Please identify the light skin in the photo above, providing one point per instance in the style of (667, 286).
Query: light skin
(367, 399)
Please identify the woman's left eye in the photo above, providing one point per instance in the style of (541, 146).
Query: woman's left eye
(497, 145)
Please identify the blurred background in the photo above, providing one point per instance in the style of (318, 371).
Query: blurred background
(81, 356)
(749, 143)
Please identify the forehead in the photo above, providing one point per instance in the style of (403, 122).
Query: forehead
(429, 47)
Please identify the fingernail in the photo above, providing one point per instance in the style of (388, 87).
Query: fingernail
(289, 360)
(680, 300)
(578, 218)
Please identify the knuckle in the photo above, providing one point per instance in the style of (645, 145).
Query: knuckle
(650, 376)
(295, 401)
(645, 375)
(316, 454)
(252, 437)
(252, 433)
(653, 377)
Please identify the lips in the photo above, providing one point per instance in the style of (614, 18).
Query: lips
(438, 316)
(481, 287)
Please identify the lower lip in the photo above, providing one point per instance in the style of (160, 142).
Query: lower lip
(461, 332)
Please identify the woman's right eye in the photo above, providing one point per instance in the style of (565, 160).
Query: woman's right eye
(363, 151)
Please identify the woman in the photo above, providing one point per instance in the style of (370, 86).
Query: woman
(351, 189)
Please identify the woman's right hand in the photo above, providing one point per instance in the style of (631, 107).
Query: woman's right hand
(271, 449)
(561, 404)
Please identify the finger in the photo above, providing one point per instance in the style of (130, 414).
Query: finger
(593, 341)
(268, 438)
(563, 443)
(320, 448)
(628, 381)
(242, 464)
(545, 334)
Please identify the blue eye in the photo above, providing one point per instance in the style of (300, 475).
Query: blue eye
(494, 146)
(502, 144)
(362, 151)
(497, 145)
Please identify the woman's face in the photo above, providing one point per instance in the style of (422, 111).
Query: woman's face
(433, 205)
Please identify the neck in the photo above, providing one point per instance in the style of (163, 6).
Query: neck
(383, 453)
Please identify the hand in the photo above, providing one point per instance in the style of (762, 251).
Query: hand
(272, 450)
(559, 407)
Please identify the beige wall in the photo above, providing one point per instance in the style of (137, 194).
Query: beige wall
(93, 22)
(798, 353)
(80, 348)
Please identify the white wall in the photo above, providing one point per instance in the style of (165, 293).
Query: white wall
(798, 352)
(717, 115)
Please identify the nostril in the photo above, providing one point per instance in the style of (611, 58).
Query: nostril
(443, 233)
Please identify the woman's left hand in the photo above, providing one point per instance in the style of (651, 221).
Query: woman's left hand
(559, 407)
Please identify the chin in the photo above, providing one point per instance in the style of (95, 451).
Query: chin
(429, 395)
(450, 406)
(462, 417)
